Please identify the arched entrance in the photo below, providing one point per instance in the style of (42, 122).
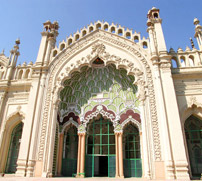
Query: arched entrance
(193, 132)
(70, 148)
(100, 148)
(131, 152)
(98, 96)
(14, 147)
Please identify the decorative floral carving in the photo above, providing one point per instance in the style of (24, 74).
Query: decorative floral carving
(98, 49)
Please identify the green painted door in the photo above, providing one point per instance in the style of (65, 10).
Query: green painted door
(70, 149)
(14, 149)
(193, 132)
(100, 149)
(131, 145)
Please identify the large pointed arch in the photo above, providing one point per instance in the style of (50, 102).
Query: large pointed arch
(103, 45)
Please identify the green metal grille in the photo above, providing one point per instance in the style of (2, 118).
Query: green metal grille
(100, 149)
(14, 147)
(132, 158)
(193, 132)
(70, 149)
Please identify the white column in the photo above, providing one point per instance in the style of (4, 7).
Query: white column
(163, 129)
(174, 125)
(27, 130)
(51, 43)
(36, 127)
(42, 48)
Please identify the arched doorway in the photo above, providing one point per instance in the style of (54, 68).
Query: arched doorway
(100, 148)
(70, 149)
(14, 147)
(193, 132)
(132, 161)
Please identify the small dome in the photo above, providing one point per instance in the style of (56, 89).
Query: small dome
(179, 50)
(196, 21)
(48, 21)
(17, 41)
(171, 50)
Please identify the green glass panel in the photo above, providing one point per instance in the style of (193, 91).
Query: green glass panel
(102, 153)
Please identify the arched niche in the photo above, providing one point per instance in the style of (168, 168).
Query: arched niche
(11, 122)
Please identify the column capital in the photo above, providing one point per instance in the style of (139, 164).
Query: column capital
(80, 134)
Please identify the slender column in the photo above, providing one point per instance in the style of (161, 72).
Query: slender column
(59, 162)
(79, 155)
(117, 155)
(82, 163)
(120, 147)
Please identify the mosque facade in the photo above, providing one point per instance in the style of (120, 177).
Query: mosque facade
(105, 103)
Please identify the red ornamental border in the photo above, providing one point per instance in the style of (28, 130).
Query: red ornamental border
(131, 113)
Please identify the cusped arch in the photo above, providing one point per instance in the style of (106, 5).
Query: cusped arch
(68, 123)
(131, 117)
(193, 107)
(99, 109)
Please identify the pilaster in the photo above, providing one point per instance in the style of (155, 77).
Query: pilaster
(27, 132)
(178, 165)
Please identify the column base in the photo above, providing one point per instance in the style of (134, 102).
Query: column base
(30, 168)
(47, 175)
(80, 176)
(38, 168)
(21, 168)
(159, 170)
(119, 177)
(181, 168)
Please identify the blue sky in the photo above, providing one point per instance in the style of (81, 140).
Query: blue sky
(24, 19)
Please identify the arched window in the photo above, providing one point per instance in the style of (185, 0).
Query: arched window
(106, 27)
(14, 147)
(20, 74)
(120, 32)
(145, 45)
(136, 39)
(27, 74)
(131, 152)
(182, 61)
(128, 36)
(112, 29)
(91, 29)
(193, 132)
(174, 62)
(62, 46)
(55, 52)
(70, 149)
(191, 61)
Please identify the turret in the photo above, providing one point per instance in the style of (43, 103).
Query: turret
(198, 32)
(155, 31)
(14, 53)
(49, 35)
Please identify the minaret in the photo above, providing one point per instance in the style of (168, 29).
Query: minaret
(198, 32)
(14, 53)
(49, 34)
(155, 32)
